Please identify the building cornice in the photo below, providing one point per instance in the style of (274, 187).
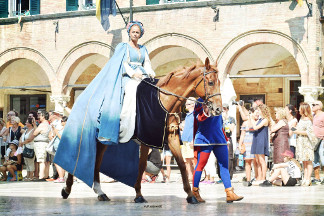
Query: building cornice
(138, 9)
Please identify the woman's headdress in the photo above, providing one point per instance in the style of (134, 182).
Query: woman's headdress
(130, 24)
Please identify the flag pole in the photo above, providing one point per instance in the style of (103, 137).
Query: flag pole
(131, 10)
(125, 21)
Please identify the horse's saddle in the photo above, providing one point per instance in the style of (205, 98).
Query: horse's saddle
(151, 116)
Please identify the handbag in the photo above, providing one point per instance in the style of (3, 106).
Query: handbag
(317, 145)
(50, 147)
(313, 139)
(28, 153)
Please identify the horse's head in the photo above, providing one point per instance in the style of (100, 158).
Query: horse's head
(208, 88)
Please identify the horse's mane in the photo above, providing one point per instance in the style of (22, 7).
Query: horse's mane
(185, 72)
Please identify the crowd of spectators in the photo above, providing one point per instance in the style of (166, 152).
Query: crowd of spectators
(26, 145)
(287, 146)
(284, 145)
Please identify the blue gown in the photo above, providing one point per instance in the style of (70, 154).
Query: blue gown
(96, 115)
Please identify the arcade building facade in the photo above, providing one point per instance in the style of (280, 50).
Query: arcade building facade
(270, 49)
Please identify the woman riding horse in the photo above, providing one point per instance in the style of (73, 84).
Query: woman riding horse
(94, 122)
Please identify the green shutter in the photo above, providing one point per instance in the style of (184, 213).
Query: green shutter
(72, 5)
(34, 7)
(3, 8)
(151, 2)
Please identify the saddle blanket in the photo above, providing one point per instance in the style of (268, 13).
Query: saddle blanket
(151, 116)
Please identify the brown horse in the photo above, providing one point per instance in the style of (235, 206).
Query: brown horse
(202, 80)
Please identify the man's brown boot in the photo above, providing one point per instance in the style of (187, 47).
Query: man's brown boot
(231, 196)
(195, 192)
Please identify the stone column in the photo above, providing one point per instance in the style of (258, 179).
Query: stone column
(60, 102)
(310, 93)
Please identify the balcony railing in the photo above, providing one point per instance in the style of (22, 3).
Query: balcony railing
(89, 6)
(18, 13)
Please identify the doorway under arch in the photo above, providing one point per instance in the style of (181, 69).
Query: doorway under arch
(266, 59)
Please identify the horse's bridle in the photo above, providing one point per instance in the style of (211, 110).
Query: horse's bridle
(207, 96)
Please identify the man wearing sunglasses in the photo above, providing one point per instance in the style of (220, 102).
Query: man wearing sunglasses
(318, 128)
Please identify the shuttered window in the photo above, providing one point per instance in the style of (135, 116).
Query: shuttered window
(72, 5)
(3, 8)
(34, 7)
(151, 2)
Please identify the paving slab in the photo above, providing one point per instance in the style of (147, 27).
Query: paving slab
(43, 198)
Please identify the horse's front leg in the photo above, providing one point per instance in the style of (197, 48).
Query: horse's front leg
(67, 190)
(174, 144)
(141, 168)
(101, 148)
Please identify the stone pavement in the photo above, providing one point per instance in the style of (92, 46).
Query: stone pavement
(43, 198)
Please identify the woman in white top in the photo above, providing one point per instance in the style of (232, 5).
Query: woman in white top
(292, 122)
(285, 174)
(27, 140)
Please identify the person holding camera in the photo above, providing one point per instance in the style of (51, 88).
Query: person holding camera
(27, 141)
(244, 113)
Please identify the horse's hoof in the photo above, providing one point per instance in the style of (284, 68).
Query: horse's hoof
(192, 200)
(64, 194)
(103, 197)
(140, 199)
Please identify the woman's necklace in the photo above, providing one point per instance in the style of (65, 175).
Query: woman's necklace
(14, 129)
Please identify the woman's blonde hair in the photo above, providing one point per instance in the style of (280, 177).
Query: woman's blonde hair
(282, 114)
(265, 112)
(16, 119)
(305, 110)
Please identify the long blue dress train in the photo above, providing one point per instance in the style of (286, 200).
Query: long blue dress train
(96, 115)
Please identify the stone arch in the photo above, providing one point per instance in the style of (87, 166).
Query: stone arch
(176, 39)
(78, 52)
(238, 44)
(12, 54)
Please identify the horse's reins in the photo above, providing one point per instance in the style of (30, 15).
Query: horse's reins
(174, 127)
